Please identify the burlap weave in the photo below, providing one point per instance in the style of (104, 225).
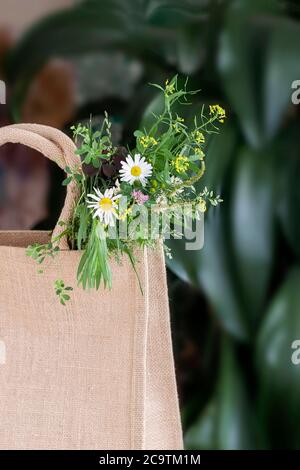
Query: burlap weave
(98, 373)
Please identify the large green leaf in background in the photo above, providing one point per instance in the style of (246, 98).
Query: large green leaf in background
(83, 28)
(252, 222)
(211, 268)
(279, 377)
(227, 422)
(258, 61)
(288, 200)
(137, 28)
(281, 69)
(256, 7)
(234, 266)
(175, 13)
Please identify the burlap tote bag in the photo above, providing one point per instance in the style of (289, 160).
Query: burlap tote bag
(98, 373)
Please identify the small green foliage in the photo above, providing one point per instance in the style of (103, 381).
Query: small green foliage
(210, 196)
(72, 175)
(94, 146)
(40, 252)
(62, 291)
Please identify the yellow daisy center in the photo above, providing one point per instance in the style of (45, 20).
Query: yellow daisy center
(136, 171)
(106, 204)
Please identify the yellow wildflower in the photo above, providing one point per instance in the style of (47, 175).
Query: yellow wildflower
(198, 151)
(176, 124)
(176, 127)
(170, 88)
(147, 141)
(199, 137)
(181, 164)
(218, 111)
(125, 214)
(202, 206)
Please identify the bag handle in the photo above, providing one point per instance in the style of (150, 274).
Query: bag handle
(56, 146)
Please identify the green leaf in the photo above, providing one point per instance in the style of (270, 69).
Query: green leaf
(83, 28)
(219, 152)
(227, 422)
(78, 177)
(138, 133)
(67, 181)
(96, 162)
(278, 376)
(84, 215)
(288, 192)
(258, 61)
(202, 435)
(191, 50)
(217, 276)
(176, 13)
(252, 222)
(94, 262)
(257, 6)
(210, 269)
(235, 419)
(147, 31)
(156, 107)
(282, 68)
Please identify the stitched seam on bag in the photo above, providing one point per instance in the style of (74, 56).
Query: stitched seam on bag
(137, 440)
(176, 427)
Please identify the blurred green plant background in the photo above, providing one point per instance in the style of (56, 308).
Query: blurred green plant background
(236, 303)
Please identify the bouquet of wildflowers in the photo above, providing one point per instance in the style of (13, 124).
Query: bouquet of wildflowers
(128, 196)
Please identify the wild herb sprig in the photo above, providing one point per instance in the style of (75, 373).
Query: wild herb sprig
(62, 291)
(40, 252)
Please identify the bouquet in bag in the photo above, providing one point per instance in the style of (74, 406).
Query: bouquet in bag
(129, 198)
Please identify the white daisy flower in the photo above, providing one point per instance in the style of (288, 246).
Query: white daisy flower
(104, 205)
(136, 169)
